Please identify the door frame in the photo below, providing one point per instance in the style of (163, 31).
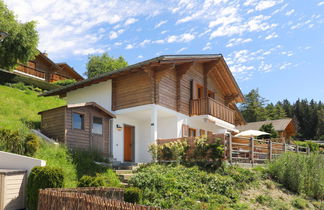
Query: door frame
(132, 149)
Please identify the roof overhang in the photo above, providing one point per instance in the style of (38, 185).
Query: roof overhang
(233, 89)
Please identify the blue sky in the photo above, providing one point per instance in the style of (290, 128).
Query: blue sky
(274, 45)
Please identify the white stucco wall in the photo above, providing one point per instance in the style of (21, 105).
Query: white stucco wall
(167, 127)
(13, 161)
(100, 93)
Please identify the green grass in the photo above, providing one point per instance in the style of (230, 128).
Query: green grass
(19, 108)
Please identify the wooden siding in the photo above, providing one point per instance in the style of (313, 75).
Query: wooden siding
(52, 123)
(83, 139)
(135, 89)
(167, 88)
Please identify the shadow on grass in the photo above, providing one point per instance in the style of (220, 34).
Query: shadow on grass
(30, 123)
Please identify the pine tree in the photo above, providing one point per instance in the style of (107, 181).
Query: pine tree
(253, 107)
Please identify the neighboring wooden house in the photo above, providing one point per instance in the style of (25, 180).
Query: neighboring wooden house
(169, 96)
(45, 69)
(82, 126)
(286, 128)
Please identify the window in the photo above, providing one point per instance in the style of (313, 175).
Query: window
(200, 91)
(78, 121)
(192, 132)
(210, 94)
(97, 125)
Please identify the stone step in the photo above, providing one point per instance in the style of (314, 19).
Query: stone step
(125, 177)
(121, 172)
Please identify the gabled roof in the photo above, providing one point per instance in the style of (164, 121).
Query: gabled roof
(278, 125)
(93, 104)
(71, 70)
(164, 59)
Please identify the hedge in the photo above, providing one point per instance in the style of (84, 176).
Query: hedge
(10, 77)
(41, 178)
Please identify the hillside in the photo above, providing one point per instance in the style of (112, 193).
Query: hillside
(19, 108)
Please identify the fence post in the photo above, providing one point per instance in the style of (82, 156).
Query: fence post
(230, 149)
(270, 149)
(284, 147)
(252, 150)
(308, 150)
(297, 149)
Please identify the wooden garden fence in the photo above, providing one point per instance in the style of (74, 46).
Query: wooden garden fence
(86, 199)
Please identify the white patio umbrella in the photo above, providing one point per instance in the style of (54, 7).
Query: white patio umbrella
(251, 133)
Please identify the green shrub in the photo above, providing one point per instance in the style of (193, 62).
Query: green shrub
(177, 186)
(314, 147)
(41, 178)
(175, 151)
(64, 82)
(299, 203)
(12, 141)
(300, 173)
(133, 195)
(264, 200)
(17, 142)
(32, 144)
(89, 181)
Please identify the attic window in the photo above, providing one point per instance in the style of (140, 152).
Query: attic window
(78, 121)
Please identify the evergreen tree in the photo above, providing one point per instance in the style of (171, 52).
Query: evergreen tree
(253, 107)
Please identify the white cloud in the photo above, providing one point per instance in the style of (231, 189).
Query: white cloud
(290, 12)
(271, 36)
(284, 66)
(186, 37)
(237, 41)
(140, 56)
(207, 46)
(113, 35)
(88, 51)
(160, 23)
(163, 32)
(129, 46)
(320, 3)
(118, 43)
(145, 42)
(160, 41)
(262, 5)
(182, 49)
(265, 67)
(130, 21)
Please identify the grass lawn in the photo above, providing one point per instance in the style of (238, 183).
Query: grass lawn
(18, 109)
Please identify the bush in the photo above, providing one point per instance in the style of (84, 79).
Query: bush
(41, 178)
(32, 144)
(89, 181)
(299, 203)
(314, 147)
(300, 173)
(169, 151)
(17, 142)
(65, 82)
(176, 186)
(133, 195)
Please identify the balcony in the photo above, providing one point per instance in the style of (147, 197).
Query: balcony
(209, 106)
(31, 71)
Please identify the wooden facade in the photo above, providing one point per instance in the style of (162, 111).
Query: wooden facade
(190, 88)
(58, 124)
(189, 84)
(45, 69)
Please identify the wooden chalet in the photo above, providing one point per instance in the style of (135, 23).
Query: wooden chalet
(169, 96)
(45, 69)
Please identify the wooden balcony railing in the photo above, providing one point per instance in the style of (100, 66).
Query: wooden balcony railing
(31, 71)
(212, 107)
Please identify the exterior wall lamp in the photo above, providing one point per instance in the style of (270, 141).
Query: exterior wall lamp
(119, 127)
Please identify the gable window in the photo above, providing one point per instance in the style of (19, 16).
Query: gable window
(192, 132)
(97, 125)
(77, 121)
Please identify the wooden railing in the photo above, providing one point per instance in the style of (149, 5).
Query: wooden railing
(212, 107)
(31, 71)
(246, 150)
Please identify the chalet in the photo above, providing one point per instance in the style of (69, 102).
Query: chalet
(286, 128)
(45, 69)
(170, 96)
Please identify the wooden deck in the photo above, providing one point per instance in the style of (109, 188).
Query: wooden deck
(212, 107)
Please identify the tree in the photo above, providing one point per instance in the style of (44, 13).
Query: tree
(21, 44)
(99, 64)
(269, 129)
(253, 107)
